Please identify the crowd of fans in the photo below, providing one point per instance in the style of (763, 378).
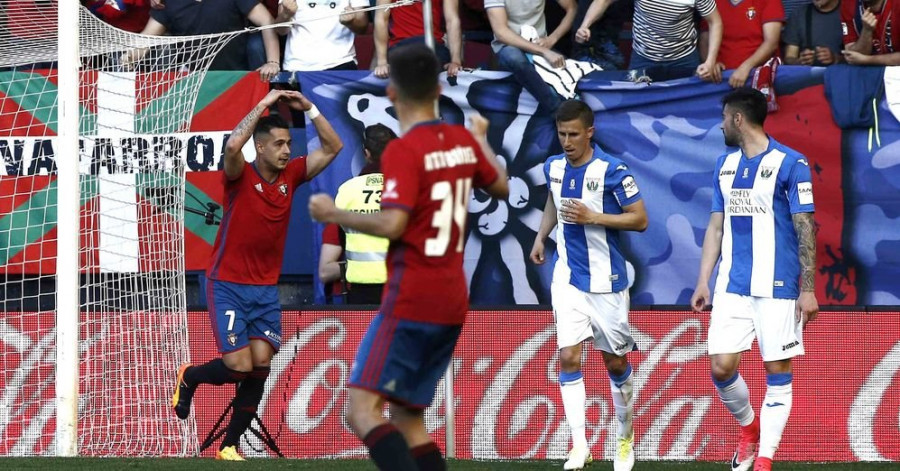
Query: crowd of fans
(669, 39)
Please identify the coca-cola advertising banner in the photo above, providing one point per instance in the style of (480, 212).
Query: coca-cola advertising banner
(846, 389)
(506, 394)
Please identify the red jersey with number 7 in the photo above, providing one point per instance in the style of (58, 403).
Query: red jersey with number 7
(430, 173)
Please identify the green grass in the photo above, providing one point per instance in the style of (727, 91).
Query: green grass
(198, 464)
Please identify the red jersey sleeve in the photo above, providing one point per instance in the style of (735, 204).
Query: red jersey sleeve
(331, 235)
(772, 10)
(401, 182)
(296, 171)
(848, 16)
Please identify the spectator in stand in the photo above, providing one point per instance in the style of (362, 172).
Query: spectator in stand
(190, 17)
(871, 32)
(507, 18)
(403, 25)
(665, 39)
(595, 40)
(127, 15)
(320, 39)
(752, 33)
(812, 35)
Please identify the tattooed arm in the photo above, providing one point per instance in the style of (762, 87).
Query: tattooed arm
(234, 157)
(805, 226)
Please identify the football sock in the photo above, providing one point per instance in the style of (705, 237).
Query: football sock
(388, 449)
(622, 390)
(571, 387)
(775, 411)
(249, 393)
(736, 396)
(212, 372)
(428, 457)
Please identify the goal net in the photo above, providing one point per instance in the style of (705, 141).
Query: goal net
(135, 94)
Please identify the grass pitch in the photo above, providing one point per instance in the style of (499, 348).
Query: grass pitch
(199, 464)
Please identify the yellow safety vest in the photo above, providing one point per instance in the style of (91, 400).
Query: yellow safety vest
(365, 254)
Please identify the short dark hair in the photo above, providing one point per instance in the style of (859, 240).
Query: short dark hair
(750, 102)
(376, 138)
(414, 71)
(574, 109)
(266, 124)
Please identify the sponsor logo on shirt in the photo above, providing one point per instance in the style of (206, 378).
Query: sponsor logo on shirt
(374, 180)
(804, 193)
(803, 161)
(630, 186)
(778, 283)
(258, 187)
(741, 203)
(556, 180)
(622, 167)
(725, 173)
(790, 345)
(273, 336)
(390, 190)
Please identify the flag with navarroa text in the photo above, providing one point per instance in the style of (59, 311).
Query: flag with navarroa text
(130, 141)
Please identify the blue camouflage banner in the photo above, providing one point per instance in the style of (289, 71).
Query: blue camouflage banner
(669, 134)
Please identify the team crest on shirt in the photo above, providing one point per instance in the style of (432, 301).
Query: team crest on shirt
(751, 13)
(572, 184)
(746, 172)
(766, 172)
(593, 184)
(283, 189)
(232, 339)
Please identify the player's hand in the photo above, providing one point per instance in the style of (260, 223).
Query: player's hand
(869, 20)
(453, 69)
(537, 252)
(575, 212)
(321, 207)
(272, 97)
(710, 72)
(700, 298)
(824, 55)
(739, 76)
(297, 100)
(479, 125)
(382, 71)
(583, 35)
(555, 59)
(807, 57)
(268, 71)
(856, 58)
(807, 308)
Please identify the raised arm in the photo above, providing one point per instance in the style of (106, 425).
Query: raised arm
(805, 227)
(318, 159)
(234, 156)
(712, 249)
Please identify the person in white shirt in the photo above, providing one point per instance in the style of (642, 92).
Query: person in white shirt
(320, 38)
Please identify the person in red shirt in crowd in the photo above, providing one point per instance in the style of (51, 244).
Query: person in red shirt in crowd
(751, 36)
(403, 25)
(429, 174)
(242, 289)
(871, 32)
(127, 15)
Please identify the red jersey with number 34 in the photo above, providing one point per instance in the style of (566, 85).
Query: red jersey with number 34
(430, 173)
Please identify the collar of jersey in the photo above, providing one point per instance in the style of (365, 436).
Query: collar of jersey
(771, 146)
(596, 155)
(253, 164)
(430, 122)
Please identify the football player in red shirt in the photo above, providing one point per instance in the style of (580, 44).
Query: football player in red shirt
(243, 273)
(429, 174)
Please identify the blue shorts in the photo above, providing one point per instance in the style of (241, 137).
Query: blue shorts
(403, 360)
(238, 313)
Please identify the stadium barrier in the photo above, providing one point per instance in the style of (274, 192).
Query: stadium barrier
(507, 405)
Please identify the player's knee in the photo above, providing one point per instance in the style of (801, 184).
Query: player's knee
(615, 364)
(569, 360)
(722, 371)
(239, 363)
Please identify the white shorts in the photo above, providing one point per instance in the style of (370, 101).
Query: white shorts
(603, 316)
(737, 319)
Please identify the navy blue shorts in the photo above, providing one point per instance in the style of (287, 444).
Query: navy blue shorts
(403, 360)
(238, 313)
